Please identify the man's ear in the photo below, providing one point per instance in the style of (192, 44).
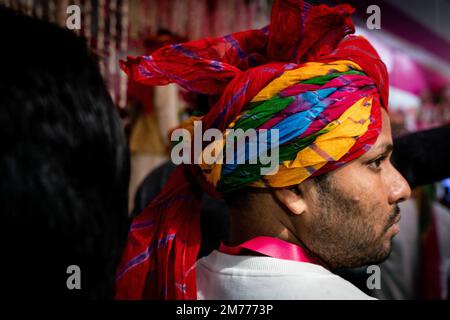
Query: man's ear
(292, 199)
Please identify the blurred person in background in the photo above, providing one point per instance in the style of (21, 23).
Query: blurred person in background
(63, 167)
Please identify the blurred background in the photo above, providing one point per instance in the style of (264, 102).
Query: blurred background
(414, 43)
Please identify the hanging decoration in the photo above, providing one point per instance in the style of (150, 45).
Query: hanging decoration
(115, 28)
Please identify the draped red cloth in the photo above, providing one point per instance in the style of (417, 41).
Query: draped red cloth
(164, 240)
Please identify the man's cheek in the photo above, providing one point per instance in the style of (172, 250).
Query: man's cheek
(368, 186)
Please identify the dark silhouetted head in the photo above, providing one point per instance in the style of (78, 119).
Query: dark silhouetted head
(63, 165)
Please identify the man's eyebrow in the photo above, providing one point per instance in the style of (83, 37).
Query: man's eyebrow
(385, 147)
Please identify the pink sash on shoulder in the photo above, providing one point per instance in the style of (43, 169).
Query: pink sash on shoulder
(272, 247)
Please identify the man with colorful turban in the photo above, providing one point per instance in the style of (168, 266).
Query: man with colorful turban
(332, 200)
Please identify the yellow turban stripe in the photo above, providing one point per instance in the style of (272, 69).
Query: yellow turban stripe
(307, 71)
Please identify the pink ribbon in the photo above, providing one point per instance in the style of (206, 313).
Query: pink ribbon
(272, 247)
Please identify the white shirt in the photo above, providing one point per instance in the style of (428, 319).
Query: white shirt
(227, 277)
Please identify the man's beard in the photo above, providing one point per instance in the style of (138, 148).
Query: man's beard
(342, 232)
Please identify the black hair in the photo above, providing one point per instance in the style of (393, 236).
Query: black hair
(240, 199)
(64, 165)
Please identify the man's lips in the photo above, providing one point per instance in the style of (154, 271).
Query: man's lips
(394, 225)
(397, 218)
(394, 218)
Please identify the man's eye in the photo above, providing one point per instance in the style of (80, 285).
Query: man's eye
(377, 162)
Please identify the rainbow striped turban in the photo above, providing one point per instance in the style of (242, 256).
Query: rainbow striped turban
(305, 75)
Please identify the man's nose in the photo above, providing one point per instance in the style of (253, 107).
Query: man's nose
(400, 190)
